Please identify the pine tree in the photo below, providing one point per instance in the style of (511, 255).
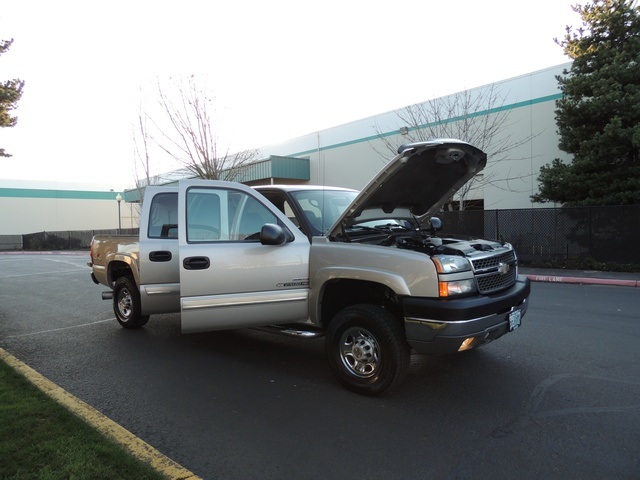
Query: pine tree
(598, 116)
(10, 93)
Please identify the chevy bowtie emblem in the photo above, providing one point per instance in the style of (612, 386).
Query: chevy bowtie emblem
(503, 268)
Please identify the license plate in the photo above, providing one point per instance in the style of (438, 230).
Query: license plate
(514, 320)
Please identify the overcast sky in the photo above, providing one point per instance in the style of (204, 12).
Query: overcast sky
(279, 69)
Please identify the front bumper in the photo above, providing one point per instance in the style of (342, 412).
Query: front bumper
(443, 326)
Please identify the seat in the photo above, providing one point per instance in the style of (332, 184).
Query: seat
(314, 220)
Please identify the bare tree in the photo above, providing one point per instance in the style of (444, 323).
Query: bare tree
(142, 156)
(141, 147)
(188, 132)
(474, 116)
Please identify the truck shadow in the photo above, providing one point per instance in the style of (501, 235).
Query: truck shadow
(248, 356)
(244, 351)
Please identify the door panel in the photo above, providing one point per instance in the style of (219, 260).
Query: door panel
(239, 310)
(159, 252)
(228, 279)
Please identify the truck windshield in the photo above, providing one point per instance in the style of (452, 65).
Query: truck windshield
(323, 207)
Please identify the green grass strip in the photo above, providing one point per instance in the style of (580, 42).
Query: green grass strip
(40, 438)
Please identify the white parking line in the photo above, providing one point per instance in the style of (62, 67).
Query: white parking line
(83, 266)
(59, 272)
(59, 329)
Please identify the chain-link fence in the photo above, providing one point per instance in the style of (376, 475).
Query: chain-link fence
(66, 240)
(603, 234)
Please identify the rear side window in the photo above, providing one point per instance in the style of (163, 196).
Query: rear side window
(163, 216)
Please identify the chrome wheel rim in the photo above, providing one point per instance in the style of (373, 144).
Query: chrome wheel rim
(359, 352)
(124, 303)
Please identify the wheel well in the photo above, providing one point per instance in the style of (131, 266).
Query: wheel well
(339, 294)
(119, 269)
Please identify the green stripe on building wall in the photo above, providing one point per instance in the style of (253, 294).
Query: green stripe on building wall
(60, 194)
(479, 113)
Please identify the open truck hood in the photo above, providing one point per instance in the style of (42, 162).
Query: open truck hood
(416, 183)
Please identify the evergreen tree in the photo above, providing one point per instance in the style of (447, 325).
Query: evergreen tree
(598, 116)
(10, 93)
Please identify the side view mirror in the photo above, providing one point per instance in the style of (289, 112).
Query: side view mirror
(436, 224)
(272, 234)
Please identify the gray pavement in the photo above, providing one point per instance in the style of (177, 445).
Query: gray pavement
(558, 398)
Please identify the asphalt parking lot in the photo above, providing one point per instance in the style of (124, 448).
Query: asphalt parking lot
(558, 398)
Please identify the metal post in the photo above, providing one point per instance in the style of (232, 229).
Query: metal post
(119, 199)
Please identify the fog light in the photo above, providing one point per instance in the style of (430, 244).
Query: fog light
(467, 344)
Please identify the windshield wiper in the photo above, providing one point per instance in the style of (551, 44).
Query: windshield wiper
(363, 227)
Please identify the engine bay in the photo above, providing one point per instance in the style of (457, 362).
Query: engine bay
(423, 241)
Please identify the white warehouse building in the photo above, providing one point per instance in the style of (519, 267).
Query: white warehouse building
(36, 206)
(348, 155)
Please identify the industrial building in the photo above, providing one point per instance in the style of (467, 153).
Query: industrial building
(347, 155)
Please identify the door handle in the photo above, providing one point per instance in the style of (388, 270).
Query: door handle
(196, 263)
(160, 256)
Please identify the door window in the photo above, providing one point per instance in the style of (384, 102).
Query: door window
(215, 214)
(163, 216)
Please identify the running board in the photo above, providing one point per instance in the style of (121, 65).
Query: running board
(297, 330)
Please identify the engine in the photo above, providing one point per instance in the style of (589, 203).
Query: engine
(421, 242)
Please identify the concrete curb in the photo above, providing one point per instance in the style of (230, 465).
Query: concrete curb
(584, 280)
(134, 445)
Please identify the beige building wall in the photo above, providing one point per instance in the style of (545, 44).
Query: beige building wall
(48, 206)
(349, 155)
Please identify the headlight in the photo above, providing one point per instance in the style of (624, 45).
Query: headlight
(451, 263)
(456, 287)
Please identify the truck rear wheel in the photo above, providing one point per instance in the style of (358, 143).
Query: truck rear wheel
(126, 304)
(367, 349)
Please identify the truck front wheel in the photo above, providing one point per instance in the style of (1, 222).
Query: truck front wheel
(126, 304)
(367, 349)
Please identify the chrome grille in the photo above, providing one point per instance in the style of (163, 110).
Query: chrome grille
(494, 282)
(496, 272)
(486, 263)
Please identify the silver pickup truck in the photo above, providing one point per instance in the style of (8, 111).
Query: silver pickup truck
(366, 269)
